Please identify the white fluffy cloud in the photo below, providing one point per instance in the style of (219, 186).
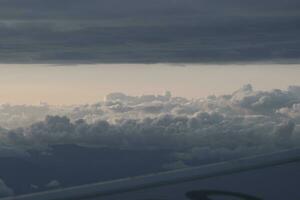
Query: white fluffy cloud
(243, 123)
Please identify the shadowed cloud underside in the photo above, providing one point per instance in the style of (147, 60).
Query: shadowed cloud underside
(131, 31)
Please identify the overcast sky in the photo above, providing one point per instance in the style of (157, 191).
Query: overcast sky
(149, 31)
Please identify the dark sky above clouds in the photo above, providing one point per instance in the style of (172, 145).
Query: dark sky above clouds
(147, 31)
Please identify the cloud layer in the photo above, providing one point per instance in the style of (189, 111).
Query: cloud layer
(246, 122)
(74, 9)
(48, 31)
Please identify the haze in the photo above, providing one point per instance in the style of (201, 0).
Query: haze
(78, 84)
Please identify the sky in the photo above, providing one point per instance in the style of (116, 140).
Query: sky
(54, 84)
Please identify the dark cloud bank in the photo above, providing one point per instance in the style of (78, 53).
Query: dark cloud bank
(143, 134)
(77, 31)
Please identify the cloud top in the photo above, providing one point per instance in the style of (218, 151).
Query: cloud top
(216, 128)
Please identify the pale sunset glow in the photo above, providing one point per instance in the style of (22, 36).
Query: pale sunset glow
(80, 84)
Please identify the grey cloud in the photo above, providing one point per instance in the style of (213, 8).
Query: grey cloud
(118, 8)
(285, 130)
(47, 31)
(118, 106)
(267, 102)
(292, 112)
(198, 42)
(153, 108)
(243, 123)
(165, 132)
(137, 99)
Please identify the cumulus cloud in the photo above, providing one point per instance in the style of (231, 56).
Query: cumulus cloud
(215, 128)
(292, 112)
(5, 191)
(264, 102)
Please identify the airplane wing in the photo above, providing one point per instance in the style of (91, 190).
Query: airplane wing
(266, 177)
